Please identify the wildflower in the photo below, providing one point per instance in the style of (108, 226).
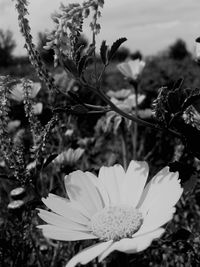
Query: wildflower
(69, 157)
(31, 165)
(116, 208)
(69, 132)
(16, 205)
(125, 99)
(129, 103)
(18, 193)
(119, 94)
(37, 108)
(17, 92)
(64, 81)
(13, 125)
(132, 68)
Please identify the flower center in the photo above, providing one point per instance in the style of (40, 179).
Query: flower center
(116, 222)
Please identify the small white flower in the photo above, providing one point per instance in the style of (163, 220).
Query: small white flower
(37, 108)
(31, 165)
(120, 94)
(116, 208)
(132, 68)
(17, 93)
(13, 125)
(70, 156)
(69, 132)
(129, 103)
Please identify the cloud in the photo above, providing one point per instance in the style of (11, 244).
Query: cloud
(141, 21)
(4, 4)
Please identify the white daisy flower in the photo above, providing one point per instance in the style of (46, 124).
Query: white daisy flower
(69, 156)
(17, 92)
(116, 208)
(132, 68)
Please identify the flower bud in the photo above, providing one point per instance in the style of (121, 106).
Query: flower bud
(131, 69)
(16, 205)
(18, 193)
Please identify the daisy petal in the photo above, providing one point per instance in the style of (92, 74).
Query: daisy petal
(67, 209)
(89, 254)
(125, 69)
(79, 188)
(57, 233)
(136, 177)
(156, 194)
(113, 180)
(60, 221)
(133, 245)
(100, 188)
(155, 219)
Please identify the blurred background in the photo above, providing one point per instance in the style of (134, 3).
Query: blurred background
(149, 25)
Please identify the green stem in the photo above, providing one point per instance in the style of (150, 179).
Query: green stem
(129, 116)
(40, 260)
(94, 44)
(124, 147)
(135, 126)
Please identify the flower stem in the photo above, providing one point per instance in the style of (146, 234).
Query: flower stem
(127, 115)
(124, 147)
(134, 131)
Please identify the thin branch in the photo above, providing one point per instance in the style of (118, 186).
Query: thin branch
(130, 116)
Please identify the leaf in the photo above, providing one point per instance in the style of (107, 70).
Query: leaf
(115, 47)
(81, 64)
(104, 53)
(90, 50)
(175, 99)
(192, 135)
(70, 66)
(79, 109)
(178, 84)
(193, 98)
(160, 106)
(49, 160)
(78, 53)
(190, 184)
(76, 98)
(39, 166)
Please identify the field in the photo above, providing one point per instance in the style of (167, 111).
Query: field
(84, 109)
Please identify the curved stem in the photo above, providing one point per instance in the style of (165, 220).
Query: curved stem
(134, 133)
(127, 115)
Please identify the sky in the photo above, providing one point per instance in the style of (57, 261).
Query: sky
(149, 25)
